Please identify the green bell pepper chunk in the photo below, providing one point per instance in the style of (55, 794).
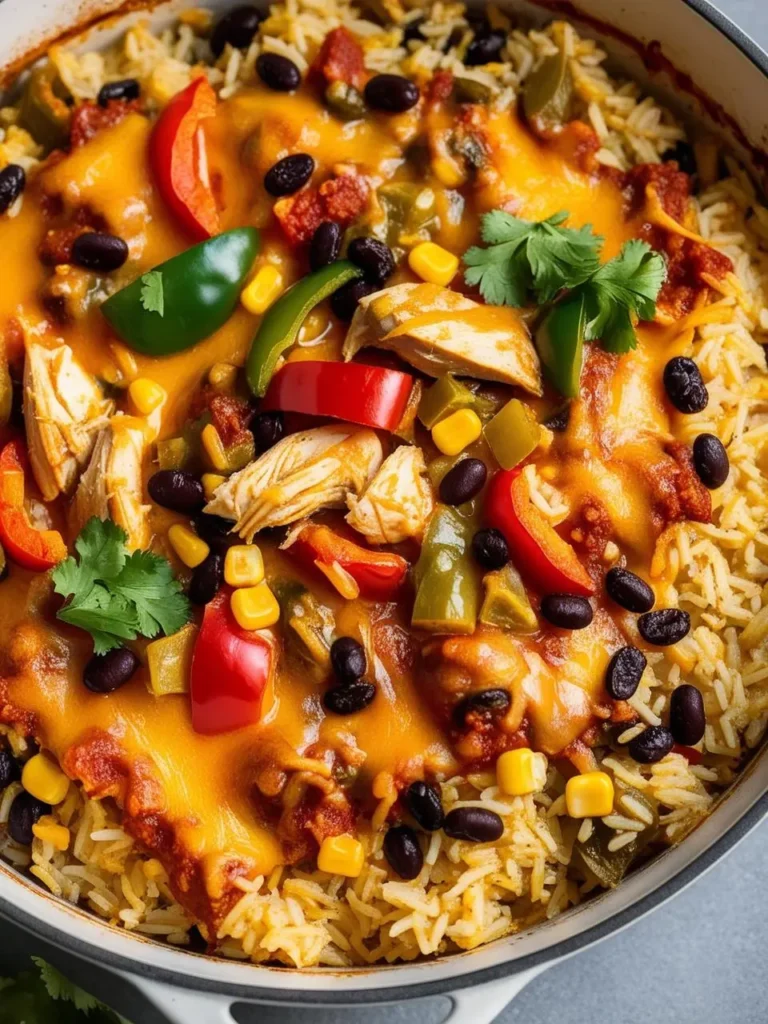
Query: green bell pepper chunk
(446, 576)
(447, 395)
(187, 298)
(282, 321)
(560, 341)
(506, 603)
(512, 434)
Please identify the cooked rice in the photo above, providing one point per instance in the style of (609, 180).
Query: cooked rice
(467, 893)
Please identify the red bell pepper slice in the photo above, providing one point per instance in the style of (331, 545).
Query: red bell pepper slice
(230, 671)
(38, 550)
(179, 163)
(371, 396)
(547, 561)
(378, 574)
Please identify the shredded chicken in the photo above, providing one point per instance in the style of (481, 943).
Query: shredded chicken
(64, 409)
(441, 331)
(111, 486)
(315, 469)
(397, 503)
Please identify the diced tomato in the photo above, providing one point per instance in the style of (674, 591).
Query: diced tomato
(88, 119)
(340, 199)
(340, 59)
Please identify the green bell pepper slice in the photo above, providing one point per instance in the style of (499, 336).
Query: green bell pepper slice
(512, 434)
(506, 603)
(560, 341)
(187, 298)
(446, 576)
(281, 323)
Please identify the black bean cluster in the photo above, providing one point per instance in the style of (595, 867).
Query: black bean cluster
(26, 811)
(391, 94)
(177, 490)
(325, 246)
(628, 590)
(267, 428)
(351, 693)
(125, 89)
(490, 549)
(625, 670)
(485, 47)
(13, 180)
(687, 719)
(567, 611)
(278, 72)
(651, 745)
(237, 27)
(99, 251)
(422, 800)
(208, 577)
(9, 769)
(685, 386)
(710, 460)
(374, 258)
(494, 701)
(345, 299)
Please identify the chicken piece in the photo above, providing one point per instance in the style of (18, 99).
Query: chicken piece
(314, 469)
(441, 331)
(397, 503)
(64, 409)
(111, 486)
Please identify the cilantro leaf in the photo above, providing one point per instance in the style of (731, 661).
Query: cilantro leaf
(620, 293)
(59, 987)
(152, 295)
(523, 257)
(117, 596)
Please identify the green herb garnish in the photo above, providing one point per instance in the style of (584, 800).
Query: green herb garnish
(524, 257)
(117, 595)
(525, 261)
(152, 296)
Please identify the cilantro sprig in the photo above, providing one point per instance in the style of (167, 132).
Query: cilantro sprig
(525, 260)
(117, 595)
(524, 257)
(152, 293)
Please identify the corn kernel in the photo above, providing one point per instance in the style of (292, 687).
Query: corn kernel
(341, 855)
(259, 294)
(432, 263)
(455, 432)
(255, 607)
(188, 546)
(211, 483)
(147, 395)
(243, 566)
(521, 771)
(49, 831)
(589, 795)
(214, 447)
(223, 377)
(44, 780)
(447, 172)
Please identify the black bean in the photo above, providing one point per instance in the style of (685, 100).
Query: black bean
(374, 258)
(485, 702)
(325, 246)
(278, 72)
(473, 823)
(485, 48)
(490, 549)
(177, 490)
(106, 673)
(345, 299)
(237, 27)
(628, 590)
(424, 803)
(664, 627)
(207, 578)
(651, 745)
(348, 700)
(348, 660)
(463, 482)
(568, 611)
(125, 89)
(413, 30)
(402, 850)
(12, 183)
(99, 251)
(289, 174)
(267, 428)
(9, 769)
(216, 531)
(26, 811)
(684, 385)
(710, 460)
(624, 672)
(558, 421)
(684, 154)
(686, 715)
(391, 93)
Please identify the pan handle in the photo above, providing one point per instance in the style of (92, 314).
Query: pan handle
(479, 1005)
(483, 1003)
(185, 1006)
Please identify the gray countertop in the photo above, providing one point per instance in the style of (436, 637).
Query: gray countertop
(700, 958)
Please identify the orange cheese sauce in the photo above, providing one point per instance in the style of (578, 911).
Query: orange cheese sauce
(206, 781)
